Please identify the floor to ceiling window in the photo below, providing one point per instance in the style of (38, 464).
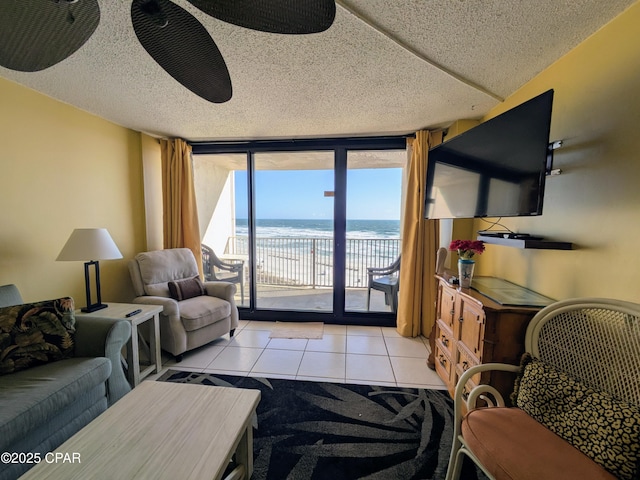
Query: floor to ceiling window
(307, 219)
(374, 198)
(293, 197)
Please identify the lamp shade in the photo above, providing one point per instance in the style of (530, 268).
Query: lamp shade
(89, 244)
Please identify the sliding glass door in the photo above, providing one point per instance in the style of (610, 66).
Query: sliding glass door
(294, 239)
(307, 221)
(221, 194)
(374, 197)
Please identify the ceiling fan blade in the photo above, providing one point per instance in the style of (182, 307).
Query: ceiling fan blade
(36, 34)
(274, 16)
(183, 47)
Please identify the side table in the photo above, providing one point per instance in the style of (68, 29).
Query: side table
(147, 313)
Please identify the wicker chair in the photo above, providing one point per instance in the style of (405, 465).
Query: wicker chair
(597, 342)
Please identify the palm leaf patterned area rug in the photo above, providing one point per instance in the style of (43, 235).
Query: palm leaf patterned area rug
(313, 431)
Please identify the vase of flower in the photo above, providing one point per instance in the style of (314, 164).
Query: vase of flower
(465, 271)
(466, 250)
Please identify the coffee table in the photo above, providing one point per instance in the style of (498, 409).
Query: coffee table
(162, 430)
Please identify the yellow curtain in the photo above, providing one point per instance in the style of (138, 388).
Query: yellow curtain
(180, 212)
(416, 300)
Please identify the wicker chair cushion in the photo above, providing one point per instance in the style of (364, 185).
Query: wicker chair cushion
(513, 446)
(36, 333)
(602, 427)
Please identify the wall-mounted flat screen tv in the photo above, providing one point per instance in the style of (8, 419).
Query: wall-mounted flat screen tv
(496, 169)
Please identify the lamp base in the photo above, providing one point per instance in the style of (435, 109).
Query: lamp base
(94, 307)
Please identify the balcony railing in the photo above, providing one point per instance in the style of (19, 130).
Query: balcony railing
(308, 261)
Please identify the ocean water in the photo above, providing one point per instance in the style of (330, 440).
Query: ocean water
(361, 229)
(300, 252)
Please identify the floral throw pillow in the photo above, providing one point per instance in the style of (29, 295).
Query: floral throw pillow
(601, 426)
(36, 333)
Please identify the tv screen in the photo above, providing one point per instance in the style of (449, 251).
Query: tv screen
(496, 169)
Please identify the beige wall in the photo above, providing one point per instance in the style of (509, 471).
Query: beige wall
(595, 202)
(152, 168)
(63, 168)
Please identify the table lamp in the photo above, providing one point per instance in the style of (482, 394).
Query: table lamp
(91, 245)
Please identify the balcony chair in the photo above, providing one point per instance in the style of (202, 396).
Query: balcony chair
(385, 280)
(195, 313)
(216, 270)
(576, 401)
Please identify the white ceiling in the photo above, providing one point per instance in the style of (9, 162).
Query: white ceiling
(384, 67)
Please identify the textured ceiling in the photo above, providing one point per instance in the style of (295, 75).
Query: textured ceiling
(384, 67)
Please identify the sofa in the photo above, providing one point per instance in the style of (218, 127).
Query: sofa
(574, 412)
(50, 389)
(194, 312)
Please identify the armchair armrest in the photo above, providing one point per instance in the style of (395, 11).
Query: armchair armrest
(169, 305)
(379, 271)
(105, 337)
(480, 389)
(232, 265)
(224, 290)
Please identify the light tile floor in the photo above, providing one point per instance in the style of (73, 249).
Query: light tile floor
(345, 354)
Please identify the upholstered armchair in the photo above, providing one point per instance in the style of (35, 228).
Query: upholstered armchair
(195, 312)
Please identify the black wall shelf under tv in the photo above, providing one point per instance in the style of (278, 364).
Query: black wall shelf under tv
(526, 243)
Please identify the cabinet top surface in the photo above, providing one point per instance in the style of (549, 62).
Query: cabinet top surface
(484, 300)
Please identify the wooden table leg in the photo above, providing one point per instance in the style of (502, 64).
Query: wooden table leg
(244, 452)
(154, 342)
(133, 357)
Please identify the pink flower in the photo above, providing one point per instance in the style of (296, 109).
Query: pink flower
(467, 248)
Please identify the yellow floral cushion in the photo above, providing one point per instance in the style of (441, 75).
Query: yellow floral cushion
(36, 333)
(602, 427)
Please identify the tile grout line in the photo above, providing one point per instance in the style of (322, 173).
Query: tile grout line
(393, 372)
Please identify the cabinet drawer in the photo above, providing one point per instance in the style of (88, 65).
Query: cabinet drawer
(465, 362)
(444, 338)
(443, 364)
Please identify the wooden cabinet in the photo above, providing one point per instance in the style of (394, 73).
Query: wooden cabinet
(472, 329)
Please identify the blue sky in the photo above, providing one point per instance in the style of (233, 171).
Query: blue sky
(372, 194)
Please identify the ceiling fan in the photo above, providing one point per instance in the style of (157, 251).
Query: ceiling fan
(37, 34)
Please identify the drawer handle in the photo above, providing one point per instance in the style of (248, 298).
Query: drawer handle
(443, 361)
(461, 319)
(465, 366)
(445, 341)
(452, 312)
(465, 393)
